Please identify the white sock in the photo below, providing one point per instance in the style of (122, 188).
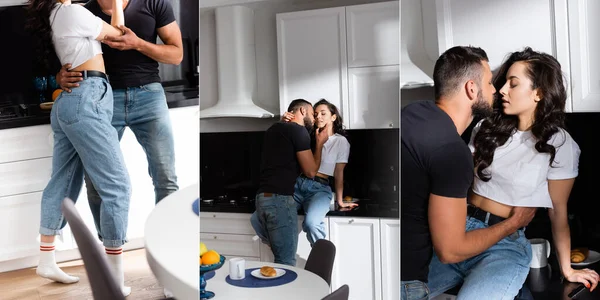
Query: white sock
(48, 268)
(115, 260)
(167, 293)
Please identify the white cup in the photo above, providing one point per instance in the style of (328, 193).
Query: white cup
(237, 268)
(540, 251)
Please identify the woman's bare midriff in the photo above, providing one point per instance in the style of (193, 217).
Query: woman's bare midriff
(95, 63)
(323, 175)
(489, 205)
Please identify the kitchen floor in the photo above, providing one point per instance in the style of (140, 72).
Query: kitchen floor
(26, 285)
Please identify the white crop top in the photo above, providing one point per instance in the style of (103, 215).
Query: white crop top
(336, 150)
(74, 33)
(520, 173)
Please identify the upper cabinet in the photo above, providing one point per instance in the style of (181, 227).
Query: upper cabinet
(585, 65)
(373, 34)
(346, 55)
(311, 47)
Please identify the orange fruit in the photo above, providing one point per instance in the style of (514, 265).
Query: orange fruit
(56, 93)
(210, 257)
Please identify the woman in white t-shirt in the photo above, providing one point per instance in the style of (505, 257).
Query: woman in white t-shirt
(314, 195)
(83, 135)
(522, 157)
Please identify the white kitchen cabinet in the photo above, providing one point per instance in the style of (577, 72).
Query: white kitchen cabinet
(12, 2)
(390, 258)
(584, 42)
(20, 212)
(25, 143)
(230, 223)
(358, 256)
(25, 176)
(311, 48)
(539, 24)
(232, 245)
(373, 34)
(373, 97)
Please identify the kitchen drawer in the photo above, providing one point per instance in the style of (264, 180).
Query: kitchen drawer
(234, 223)
(231, 244)
(25, 143)
(25, 176)
(20, 222)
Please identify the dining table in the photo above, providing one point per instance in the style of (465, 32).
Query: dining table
(306, 286)
(171, 235)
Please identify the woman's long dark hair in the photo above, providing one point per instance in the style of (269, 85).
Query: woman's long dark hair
(545, 74)
(38, 25)
(338, 124)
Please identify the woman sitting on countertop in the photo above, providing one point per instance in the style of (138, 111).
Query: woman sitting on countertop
(83, 134)
(523, 156)
(314, 194)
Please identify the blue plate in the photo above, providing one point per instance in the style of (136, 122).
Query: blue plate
(196, 206)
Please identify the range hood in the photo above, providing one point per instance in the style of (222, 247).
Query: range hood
(416, 66)
(236, 65)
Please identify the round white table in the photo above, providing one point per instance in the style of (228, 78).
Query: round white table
(172, 248)
(307, 286)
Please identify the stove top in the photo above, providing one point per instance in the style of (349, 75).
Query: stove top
(12, 111)
(224, 200)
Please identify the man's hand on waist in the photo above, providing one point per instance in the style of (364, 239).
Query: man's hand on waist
(67, 79)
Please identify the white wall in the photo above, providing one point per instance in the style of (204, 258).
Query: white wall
(266, 60)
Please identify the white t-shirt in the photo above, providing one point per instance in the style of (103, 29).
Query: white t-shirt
(335, 150)
(520, 173)
(74, 33)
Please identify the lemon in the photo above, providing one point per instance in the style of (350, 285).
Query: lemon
(203, 249)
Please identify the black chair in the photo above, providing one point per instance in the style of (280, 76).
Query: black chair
(104, 286)
(320, 260)
(340, 294)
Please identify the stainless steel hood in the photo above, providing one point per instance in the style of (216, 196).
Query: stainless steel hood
(416, 67)
(236, 65)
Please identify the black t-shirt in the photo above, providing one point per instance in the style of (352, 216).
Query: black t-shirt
(435, 160)
(131, 68)
(279, 166)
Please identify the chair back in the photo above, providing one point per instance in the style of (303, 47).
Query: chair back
(103, 283)
(321, 258)
(340, 294)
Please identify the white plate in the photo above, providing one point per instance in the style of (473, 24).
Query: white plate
(593, 257)
(256, 273)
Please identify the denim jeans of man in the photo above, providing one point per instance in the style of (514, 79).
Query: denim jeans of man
(314, 198)
(497, 273)
(413, 290)
(144, 110)
(85, 138)
(276, 223)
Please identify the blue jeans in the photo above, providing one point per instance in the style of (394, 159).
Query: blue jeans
(85, 138)
(497, 273)
(314, 198)
(144, 110)
(276, 223)
(413, 290)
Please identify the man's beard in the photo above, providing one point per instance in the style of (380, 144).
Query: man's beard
(481, 108)
(308, 124)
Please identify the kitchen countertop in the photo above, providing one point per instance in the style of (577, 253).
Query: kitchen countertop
(369, 209)
(553, 289)
(41, 117)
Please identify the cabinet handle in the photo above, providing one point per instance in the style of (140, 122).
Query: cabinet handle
(215, 237)
(351, 221)
(391, 125)
(214, 216)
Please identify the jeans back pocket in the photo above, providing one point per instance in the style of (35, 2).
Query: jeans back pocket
(68, 107)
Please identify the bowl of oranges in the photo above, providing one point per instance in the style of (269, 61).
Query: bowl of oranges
(210, 260)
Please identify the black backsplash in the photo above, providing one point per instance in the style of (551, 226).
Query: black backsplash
(230, 164)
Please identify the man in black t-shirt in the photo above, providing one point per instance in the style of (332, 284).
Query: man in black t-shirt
(437, 171)
(131, 63)
(286, 153)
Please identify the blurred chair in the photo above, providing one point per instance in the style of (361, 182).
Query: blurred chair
(104, 286)
(340, 294)
(320, 260)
